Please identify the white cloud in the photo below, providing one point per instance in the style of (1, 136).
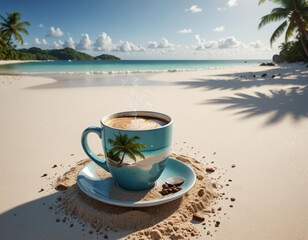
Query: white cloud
(256, 44)
(229, 42)
(164, 43)
(202, 44)
(58, 44)
(55, 32)
(85, 43)
(219, 29)
(188, 30)
(37, 41)
(152, 45)
(103, 43)
(232, 3)
(43, 42)
(70, 43)
(125, 46)
(194, 9)
(41, 25)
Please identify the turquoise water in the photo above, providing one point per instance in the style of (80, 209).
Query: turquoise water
(121, 67)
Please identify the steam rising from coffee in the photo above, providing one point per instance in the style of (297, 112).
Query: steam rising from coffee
(136, 98)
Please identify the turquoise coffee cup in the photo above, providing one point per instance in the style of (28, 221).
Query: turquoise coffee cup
(135, 158)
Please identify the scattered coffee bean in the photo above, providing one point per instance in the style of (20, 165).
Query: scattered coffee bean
(59, 199)
(42, 189)
(72, 225)
(232, 199)
(58, 220)
(54, 166)
(230, 180)
(44, 175)
(231, 205)
(219, 209)
(198, 217)
(264, 75)
(217, 224)
(90, 232)
(233, 166)
(105, 236)
(210, 170)
(208, 232)
(213, 210)
(72, 154)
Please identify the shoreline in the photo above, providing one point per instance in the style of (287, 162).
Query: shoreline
(7, 62)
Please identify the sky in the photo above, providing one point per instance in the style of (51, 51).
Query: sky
(149, 29)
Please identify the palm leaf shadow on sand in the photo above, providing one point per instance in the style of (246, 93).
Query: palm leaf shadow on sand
(245, 80)
(279, 103)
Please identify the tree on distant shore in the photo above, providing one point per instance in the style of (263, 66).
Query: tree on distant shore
(296, 14)
(12, 27)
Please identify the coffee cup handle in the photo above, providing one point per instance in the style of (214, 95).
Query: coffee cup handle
(84, 142)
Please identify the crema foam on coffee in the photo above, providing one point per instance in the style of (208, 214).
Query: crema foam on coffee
(132, 123)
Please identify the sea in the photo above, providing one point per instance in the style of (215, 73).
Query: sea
(106, 67)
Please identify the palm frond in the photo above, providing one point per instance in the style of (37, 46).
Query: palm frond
(278, 32)
(131, 155)
(137, 153)
(116, 149)
(261, 1)
(131, 140)
(272, 17)
(113, 142)
(290, 30)
(18, 37)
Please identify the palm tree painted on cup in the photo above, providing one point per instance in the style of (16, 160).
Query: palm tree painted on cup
(11, 26)
(122, 145)
(295, 13)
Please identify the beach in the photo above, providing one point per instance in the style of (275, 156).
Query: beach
(252, 118)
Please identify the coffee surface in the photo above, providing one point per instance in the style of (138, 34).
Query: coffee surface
(132, 123)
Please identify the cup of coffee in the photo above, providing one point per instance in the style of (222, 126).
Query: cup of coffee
(136, 145)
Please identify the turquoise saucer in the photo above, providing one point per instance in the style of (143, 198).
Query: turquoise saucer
(100, 189)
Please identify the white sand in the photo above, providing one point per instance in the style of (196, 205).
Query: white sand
(259, 124)
(4, 62)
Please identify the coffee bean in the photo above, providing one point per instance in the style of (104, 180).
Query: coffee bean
(232, 199)
(165, 185)
(198, 217)
(210, 170)
(164, 192)
(44, 175)
(179, 188)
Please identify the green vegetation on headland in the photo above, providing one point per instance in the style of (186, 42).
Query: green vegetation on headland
(58, 54)
(11, 29)
(295, 16)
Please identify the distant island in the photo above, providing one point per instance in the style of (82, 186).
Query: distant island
(35, 53)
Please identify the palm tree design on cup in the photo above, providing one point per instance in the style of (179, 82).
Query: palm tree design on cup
(122, 146)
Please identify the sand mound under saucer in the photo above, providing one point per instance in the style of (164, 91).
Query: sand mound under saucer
(170, 220)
